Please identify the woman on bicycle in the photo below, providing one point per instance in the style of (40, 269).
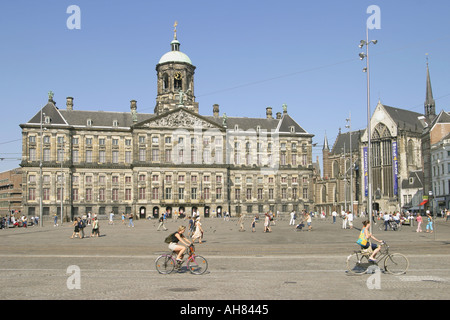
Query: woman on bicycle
(177, 237)
(364, 238)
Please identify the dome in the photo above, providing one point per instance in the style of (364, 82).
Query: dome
(175, 55)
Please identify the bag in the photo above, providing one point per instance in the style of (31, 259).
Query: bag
(169, 238)
(362, 241)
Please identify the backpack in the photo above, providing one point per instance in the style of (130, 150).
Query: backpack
(169, 238)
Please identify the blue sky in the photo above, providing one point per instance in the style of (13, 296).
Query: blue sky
(249, 55)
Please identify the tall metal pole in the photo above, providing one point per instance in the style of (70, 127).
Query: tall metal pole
(369, 134)
(351, 163)
(40, 175)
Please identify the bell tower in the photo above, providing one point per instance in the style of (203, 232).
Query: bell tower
(175, 77)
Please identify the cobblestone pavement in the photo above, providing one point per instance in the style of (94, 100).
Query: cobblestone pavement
(42, 262)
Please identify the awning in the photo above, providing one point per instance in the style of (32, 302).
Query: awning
(423, 202)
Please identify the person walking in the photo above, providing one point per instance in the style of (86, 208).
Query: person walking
(292, 221)
(111, 217)
(95, 228)
(308, 221)
(198, 234)
(55, 220)
(334, 215)
(253, 225)
(241, 222)
(76, 229)
(350, 219)
(344, 219)
(419, 223)
(162, 219)
(130, 220)
(430, 222)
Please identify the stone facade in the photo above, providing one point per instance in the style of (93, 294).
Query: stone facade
(173, 160)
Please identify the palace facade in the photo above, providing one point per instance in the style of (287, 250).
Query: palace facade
(175, 159)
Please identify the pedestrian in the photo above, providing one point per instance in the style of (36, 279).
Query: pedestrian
(191, 226)
(130, 220)
(241, 222)
(254, 224)
(267, 223)
(198, 234)
(292, 221)
(334, 215)
(161, 223)
(81, 226)
(344, 219)
(111, 217)
(350, 219)
(308, 220)
(386, 218)
(447, 215)
(123, 217)
(419, 223)
(55, 220)
(430, 222)
(95, 228)
(76, 229)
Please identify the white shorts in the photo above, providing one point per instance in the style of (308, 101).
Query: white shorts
(173, 246)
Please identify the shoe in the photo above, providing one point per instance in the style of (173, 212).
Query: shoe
(372, 260)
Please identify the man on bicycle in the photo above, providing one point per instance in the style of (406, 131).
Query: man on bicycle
(364, 238)
(178, 237)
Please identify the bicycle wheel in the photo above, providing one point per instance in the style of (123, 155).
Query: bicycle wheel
(197, 265)
(165, 264)
(357, 263)
(396, 263)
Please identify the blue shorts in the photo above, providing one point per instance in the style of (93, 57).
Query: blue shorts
(374, 246)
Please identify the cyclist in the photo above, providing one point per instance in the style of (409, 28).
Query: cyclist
(364, 238)
(177, 237)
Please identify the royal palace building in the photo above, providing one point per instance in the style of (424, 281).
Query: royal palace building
(172, 160)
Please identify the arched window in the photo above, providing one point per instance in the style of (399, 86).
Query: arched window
(324, 194)
(336, 170)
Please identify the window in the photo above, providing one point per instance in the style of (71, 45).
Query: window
(32, 154)
(46, 154)
(218, 193)
(180, 193)
(32, 194)
(193, 193)
(101, 194)
(249, 194)
(142, 193)
(142, 155)
(88, 194)
(115, 194)
(89, 156)
(102, 156)
(127, 194)
(115, 157)
(75, 194)
(155, 193)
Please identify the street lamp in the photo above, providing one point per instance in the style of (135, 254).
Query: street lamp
(363, 55)
(40, 171)
(349, 126)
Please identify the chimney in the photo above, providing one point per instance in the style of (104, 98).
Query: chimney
(216, 110)
(69, 103)
(133, 108)
(269, 113)
(278, 115)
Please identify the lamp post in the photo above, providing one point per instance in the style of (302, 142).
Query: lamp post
(40, 171)
(349, 126)
(363, 55)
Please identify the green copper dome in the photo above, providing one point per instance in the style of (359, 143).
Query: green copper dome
(175, 55)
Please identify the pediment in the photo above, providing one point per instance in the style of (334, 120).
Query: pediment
(179, 118)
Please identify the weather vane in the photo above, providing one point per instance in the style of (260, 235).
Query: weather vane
(175, 30)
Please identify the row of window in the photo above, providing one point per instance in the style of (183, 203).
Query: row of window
(167, 194)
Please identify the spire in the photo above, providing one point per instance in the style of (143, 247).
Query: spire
(325, 142)
(429, 105)
(175, 44)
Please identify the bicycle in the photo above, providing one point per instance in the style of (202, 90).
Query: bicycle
(392, 225)
(394, 263)
(166, 263)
